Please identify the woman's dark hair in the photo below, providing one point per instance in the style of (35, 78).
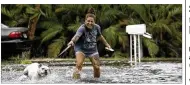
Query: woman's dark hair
(90, 13)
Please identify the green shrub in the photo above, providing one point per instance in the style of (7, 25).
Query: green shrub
(25, 61)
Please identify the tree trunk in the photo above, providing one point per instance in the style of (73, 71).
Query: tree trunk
(32, 24)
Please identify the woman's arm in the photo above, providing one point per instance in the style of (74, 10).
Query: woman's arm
(102, 39)
(73, 40)
(77, 35)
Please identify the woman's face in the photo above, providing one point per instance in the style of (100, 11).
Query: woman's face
(89, 22)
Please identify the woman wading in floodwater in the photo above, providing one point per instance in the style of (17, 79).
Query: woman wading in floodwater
(85, 44)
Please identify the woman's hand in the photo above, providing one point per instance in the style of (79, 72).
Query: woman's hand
(71, 43)
(108, 46)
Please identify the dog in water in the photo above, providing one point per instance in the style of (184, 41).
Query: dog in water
(35, 71)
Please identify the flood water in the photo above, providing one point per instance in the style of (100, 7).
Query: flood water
(145, 73)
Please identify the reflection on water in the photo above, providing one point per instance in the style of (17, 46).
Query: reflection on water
(151, 72)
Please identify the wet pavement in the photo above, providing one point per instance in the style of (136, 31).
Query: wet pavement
(145, 73)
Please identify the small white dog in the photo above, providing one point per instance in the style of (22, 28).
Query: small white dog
(36, 71)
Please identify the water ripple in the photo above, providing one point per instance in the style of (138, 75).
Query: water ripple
(147, 73)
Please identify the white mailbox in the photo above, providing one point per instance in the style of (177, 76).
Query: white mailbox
(136, 29)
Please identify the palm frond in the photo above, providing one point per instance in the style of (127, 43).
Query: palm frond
(51, 24)
(133, 21)
(174, 11)
(161, 26)
(75, 26)
(49, 34)
(108, 16)
(141, 10)
(152, 47)
(172, 49)
(176, 25)
(52, 28)
(7, 12)
(55, 47)
(31, 10)
(122, 39)
(11, 23)
(110, 35)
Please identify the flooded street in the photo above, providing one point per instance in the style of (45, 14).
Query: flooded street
(145, 73)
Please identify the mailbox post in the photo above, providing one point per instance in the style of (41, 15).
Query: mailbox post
(135, 32)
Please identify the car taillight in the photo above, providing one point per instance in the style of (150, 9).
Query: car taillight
(15, 35)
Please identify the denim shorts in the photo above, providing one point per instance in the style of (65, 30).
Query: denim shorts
(95, 54)
(87, 53)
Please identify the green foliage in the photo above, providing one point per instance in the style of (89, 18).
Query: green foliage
(164, 23)
(59, 22)
(152, 47)
(141, 10)
(113, 36)
(49, 34)
(110, 35)
(25, 62)
(75, 26)
(15, 15)
(55, 47)
(7, 12)
(119, 55)
(22, 58)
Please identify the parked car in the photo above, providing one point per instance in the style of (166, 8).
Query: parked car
(14, 39)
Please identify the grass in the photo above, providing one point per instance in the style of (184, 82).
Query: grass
(20, 60)
(161, 59)
(105, 59)
(17, 61)
(26, 61)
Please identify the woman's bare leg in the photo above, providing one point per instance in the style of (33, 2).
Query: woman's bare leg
(79, 63)
(96, 66)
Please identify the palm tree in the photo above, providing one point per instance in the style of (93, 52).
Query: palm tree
(14, 15)
(60, 22)
(36, 13)
(162, 20)
(53, 35)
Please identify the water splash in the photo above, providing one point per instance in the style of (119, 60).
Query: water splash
(147, 73)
